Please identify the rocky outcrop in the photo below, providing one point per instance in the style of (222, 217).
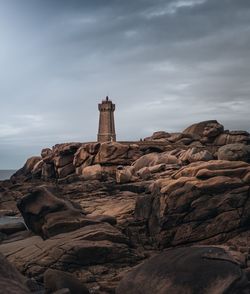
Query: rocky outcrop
(234, 152)
(153, 159)
(188, 270)
(73, 158)
(201, 203)
(83, 249)
(26, 170)
(106, 206)
(47, 215)
(206, 129)
(193, 155)
(99, 160)
(231, 137)
(206, 133)
(11, 281)
(169, 138)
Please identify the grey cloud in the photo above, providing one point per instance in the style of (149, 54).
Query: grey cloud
(166, 64)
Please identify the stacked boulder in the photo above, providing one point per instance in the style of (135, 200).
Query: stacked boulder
(204, 202)
(204, 133)
(202, 141)
(97, 160)
(90, 161)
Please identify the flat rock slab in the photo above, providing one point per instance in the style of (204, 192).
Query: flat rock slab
(89, 245)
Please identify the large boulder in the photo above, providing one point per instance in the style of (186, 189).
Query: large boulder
(207, 129)
(234, 152)
(115, 153)
(194, 154)
(11, 281)
(48, 171)
(61, 161)
(187, 270)
(98, 172)
(47, 215)
(204, 202)
(152, 159)
(66, 170)
(65, 149)
(85, 155)
(232, 137)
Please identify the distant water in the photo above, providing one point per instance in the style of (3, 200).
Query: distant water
(10, 220)
(6, 174)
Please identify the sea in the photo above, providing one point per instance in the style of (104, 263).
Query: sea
(6, 174)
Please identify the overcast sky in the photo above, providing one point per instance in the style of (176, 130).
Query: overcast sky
(165, 64)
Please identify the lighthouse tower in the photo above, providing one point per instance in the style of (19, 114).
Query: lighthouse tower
(106, 121)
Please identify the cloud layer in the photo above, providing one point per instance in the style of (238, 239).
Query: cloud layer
(166, 64)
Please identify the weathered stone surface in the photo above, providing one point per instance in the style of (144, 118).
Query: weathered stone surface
(180, 138)
(194, 154)
(85, 155)
(48, 171)
(11, 281)
(26, 170)
(160, 135)
(65, 149)
(187, 270)
(232, 137)
(203, 202)
(90, 245)
(209, 129)
(93, 172)
(124, 174)
(46, 152)
(175, 195)
(97, 172)
(116, 153)
(234, 152)
(66, 170)
(153, 159)
(37, 169)
(11, 228)
(47, 215)
(55, 280)
(8, 202)
(61, 161)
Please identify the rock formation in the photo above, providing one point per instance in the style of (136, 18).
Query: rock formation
(164, 214)
(188, 270)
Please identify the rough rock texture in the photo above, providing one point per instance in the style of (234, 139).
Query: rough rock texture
(207, 133)
(234, 152)
(202, 203)
(154, 159)
(8, 202)
(11, 281)
(81, 250)
(232, 137)
(207, 129)
(55, 280)
(194, 154)
(107, 206)
(47, 215)
(26, 170)
(187, 270)
(116, 153)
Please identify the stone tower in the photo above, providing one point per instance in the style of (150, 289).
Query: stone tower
(106, 121)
